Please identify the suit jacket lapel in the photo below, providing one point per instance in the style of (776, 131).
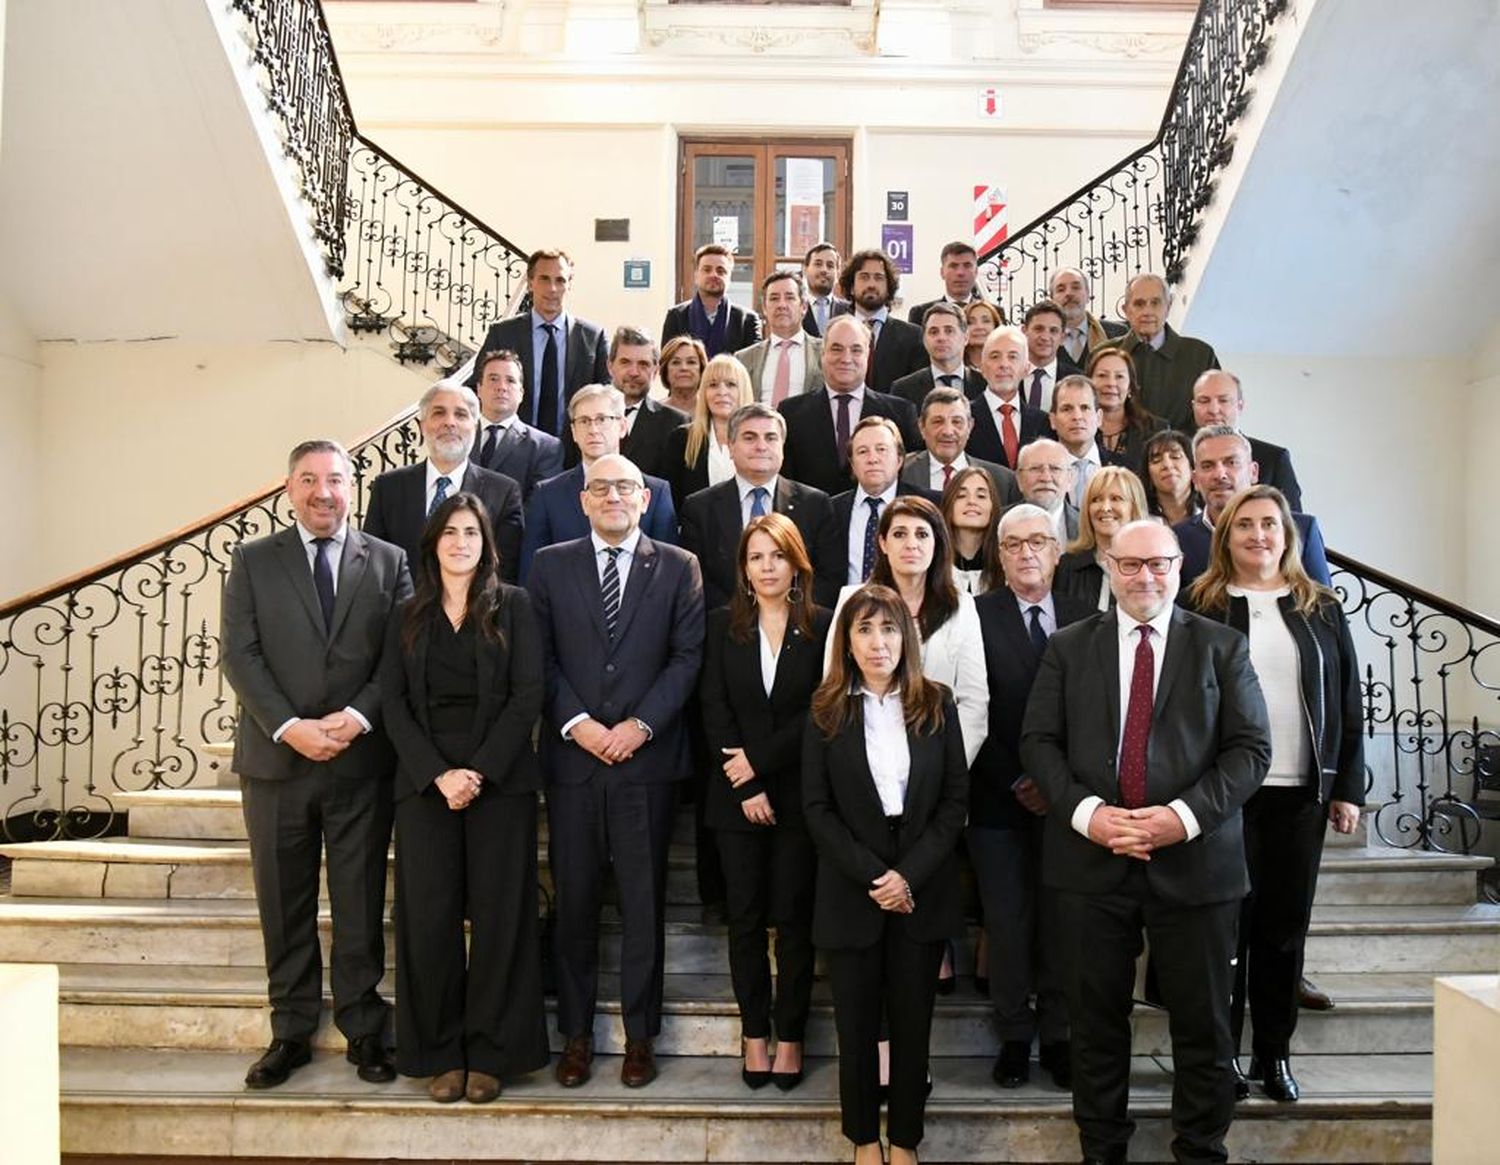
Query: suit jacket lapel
(642, 571)
(823, 419)
(785, 501)
(730, 515)
(862, 780)
(591, 595)
(351, 575)
(294, 558)
(1172, 663)
(1107, 658)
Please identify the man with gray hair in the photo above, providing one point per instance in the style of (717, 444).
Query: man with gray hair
(1166, 364)
(1083, 332)
(1222, 467)
(632, 368)
(401, 499)
(1045, 474)
(596, 417)
(1007, 811)
(303, 627)
(946, 423)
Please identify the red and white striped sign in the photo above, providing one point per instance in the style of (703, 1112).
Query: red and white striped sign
(990, 222)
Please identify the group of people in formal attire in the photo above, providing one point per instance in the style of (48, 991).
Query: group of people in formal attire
(882, 598)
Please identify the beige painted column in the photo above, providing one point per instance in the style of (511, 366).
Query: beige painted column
(1465, 1038)
(29, 1076)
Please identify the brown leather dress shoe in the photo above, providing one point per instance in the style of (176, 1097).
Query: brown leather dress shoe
(447, 1087)
(639, 1068)
(1310, 998)
(573, 1065)
(482, 1088)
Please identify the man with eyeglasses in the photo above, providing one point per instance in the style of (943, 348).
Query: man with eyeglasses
(1045, 474)
(621, 617)
(1145, 732)
(596, 416)
(1006, 809)
(1222, 467)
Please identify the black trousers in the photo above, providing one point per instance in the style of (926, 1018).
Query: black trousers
(1022, 945)
(290, 823)
(594, 828)
(769, 877)
(1284, 831)
(1192, 947)
(479, 1009)
(896, 979)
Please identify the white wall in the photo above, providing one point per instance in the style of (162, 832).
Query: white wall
(150, 437)
(1479, 424)
(20, 457)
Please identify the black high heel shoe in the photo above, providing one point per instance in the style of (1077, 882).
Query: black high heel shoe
(754, 1080)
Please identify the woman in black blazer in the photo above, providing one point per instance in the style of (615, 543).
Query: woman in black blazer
(764, 658)
(885, 789)
(1114, 497)
(1304, 659)
(697, 453)
(1125, 425)
(461, 685)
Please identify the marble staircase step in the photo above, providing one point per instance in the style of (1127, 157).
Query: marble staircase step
(1373, 875)
(223, 1008)
(171, 1103)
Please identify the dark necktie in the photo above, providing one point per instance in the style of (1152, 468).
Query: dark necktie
(438, 494)
(1038, 636)
(871, 526)
(758, 498)
(323, 580)
(1036, 389)
(546, 404)
(610, 589)
(1138, 724)
(841, 431)
(491, 439)
(948, 379)
(1008, 434)
(947, 476)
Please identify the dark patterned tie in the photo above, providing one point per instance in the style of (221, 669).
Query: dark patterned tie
(323, 580)
(1038, 635)
(439, 493)
(758, 498)
(491, 439)
(841, 431)
(1138, 724)
(611, 589)
(871, 526)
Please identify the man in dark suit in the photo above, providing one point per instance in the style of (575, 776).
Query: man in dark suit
(820, 271)
(1083, 332)
(943, 331)
(958, 265)
(401, 499)
(1046, 362)
(709, 317)
(947, 421)
(555, 512)
(875, 455)
(504, 442)
(632, 368)
(1003, 425)
(559, 353)
(1007, 810)
(713, 518)
(304, 620)
(1222, 467)
(622, 631)
(1145, 732)
(870, 282)
(1166, 365)
(819, 424)
(1219, 399)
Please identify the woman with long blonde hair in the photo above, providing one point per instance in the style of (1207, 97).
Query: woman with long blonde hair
(697, 453)
(1114, 496)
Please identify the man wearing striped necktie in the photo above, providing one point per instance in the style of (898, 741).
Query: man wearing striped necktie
(622, 631)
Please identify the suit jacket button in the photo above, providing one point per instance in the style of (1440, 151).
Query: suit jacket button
(609, 667)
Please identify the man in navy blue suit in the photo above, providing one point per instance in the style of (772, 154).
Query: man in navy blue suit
(1222, 466)
(555, 513)
(622, 633)
(505, 443)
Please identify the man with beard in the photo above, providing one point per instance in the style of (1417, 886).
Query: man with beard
(632, 368)
(401, 499)
(820, 271)
(709, 317)
(870, 281)
(1082, 330)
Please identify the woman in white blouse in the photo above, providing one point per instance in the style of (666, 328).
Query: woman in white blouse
(972, 511)
(1114, 496)
(697, 453)
(1304, 658)
(885, 792)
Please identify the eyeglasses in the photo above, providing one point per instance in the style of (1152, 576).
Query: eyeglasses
(625, 488)
(1042, 468)
(1036, 543)
(1157, 565)
(596, 422)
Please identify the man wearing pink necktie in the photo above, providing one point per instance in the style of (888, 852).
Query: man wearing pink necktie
(788, 361)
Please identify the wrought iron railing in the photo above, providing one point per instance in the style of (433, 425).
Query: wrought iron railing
(1431, 689)
(110, 680)
(1141, 215)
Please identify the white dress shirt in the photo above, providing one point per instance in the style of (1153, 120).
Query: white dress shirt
(1278, 666)
(1048, 613)
(1128, 640)
(859, 519)
(938, 374)
(935, 470)
(887, 749)
(455, 482)
(796, 352)
(720, 465)
(622, 568)
(768, 658)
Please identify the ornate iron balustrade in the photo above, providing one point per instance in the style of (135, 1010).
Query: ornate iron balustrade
(1431, 689)
(109, 681)
(1141, 214)
(290, 43)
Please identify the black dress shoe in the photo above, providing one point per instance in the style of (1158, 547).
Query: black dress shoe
(1057, 1058)
(282, 1058)
(1277, 1082)
(786, 1081)
(756, 1080)
(1309, 998)
(371, 1063)
(1241, 1081)
(1013, 1066)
